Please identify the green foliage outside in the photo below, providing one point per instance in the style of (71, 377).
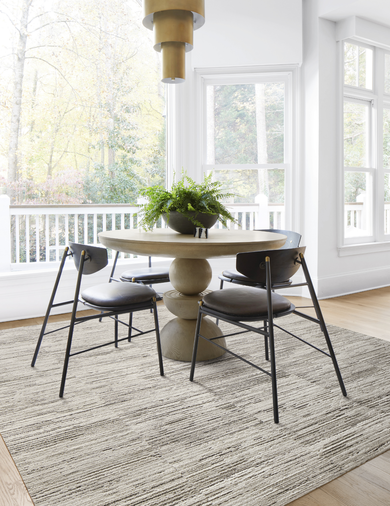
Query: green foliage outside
(239, 140)
(355, 184)
(235, 123)
(92, 102)
(117, 185)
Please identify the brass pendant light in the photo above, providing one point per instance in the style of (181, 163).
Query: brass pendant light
(173, 23)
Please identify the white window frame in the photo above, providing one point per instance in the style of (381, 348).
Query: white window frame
(287, 74)
(378, 101)
(367, 46)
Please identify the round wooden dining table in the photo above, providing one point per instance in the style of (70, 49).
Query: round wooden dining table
(190, 274)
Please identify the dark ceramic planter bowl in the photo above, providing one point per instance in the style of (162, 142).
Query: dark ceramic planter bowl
(180, 223)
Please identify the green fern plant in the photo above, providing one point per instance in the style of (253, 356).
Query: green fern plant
(186, 197)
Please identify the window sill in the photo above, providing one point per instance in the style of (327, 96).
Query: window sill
(363, 249)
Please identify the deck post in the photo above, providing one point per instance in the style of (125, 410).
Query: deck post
(5, 234)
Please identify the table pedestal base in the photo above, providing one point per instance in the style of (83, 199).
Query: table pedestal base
(177, 340)
(190, 277)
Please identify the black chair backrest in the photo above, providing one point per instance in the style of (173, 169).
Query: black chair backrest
(293, 238)
(96, 258)
(283, 264)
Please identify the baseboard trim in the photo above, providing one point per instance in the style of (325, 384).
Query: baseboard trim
(352, 282)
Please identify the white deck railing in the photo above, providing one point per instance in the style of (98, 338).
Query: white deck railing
(39, 234)
(387, 219)
(35, 235)
(355, 219)
(353, 215)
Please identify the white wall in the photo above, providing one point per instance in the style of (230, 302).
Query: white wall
(310, 146)
(249, 32)
(334, 274)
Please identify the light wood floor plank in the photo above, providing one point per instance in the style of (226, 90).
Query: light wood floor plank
(354, 491)
(13, 491)
(364, 312)
(374, 475)
(382, 462)
(317, 498)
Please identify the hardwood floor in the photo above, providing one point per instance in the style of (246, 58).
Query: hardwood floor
(365, 312)
(367, 485)
(13, 491)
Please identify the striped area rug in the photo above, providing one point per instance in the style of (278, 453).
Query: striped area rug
(124, 436)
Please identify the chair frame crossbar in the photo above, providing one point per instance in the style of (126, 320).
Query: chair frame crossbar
(268, 331)
(230, 351)
(302, 340)
(111, 342)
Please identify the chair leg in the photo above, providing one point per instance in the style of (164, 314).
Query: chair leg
(273, 374)
(160, 359)
(334, 360)
(39, 342)
(116, 331)
(114, 266)
(322, 324)
(49, 307)
(72, 323)
(130, 326)
(196, 341)
(67, 356)
(221, 288)
(266, 349)
(271, 341)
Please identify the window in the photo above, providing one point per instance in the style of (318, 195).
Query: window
(366, 143)
(358, 66)
(387, 73)
(82, 118)
(247, 142)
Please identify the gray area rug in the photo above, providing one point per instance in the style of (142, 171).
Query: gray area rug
(124, 436)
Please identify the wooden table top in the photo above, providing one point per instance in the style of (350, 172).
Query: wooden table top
(168, 243)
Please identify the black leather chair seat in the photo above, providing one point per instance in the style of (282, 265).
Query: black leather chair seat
(235, 275)
(117, 294)
(245, 302)
(238, 278)
(145, 274)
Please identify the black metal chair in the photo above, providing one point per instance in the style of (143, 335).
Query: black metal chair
(145, 275)
(293, 241)
(246, 305)
(110, 299)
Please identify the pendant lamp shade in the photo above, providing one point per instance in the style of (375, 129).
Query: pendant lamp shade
(173, 23)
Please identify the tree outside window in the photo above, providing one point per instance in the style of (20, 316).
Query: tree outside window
(82, 116)
(245, 132)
